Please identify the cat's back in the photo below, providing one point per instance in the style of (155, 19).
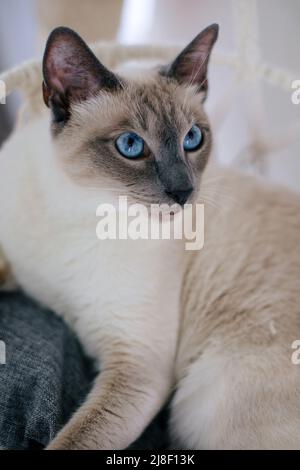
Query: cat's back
(241, 315)
(248, 272)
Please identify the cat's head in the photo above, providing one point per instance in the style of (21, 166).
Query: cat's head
(143, 134)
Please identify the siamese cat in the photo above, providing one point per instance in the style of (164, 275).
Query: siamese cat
(214, 326)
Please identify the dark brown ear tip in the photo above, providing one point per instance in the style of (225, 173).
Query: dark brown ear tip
(213, 28)
(216, 27)
(59, 35)
(62, 31)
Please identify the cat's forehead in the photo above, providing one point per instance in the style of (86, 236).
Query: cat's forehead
(162, 100)
(146, 103)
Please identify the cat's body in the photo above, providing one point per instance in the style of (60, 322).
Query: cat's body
(237, 385)
(219, 323)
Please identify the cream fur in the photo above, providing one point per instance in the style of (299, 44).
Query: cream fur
(234, 321)
(116, 295)
(236, 385)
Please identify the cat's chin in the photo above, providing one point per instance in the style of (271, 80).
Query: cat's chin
(171, 212)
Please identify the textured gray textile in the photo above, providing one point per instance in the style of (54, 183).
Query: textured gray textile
(45, 378)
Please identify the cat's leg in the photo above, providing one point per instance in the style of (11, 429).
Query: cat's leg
(248, 401)
(133, 331)
(132, 387)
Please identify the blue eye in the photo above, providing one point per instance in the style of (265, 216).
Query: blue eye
(130, 145)
(193, 139)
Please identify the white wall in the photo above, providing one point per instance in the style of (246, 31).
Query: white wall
(17, 31)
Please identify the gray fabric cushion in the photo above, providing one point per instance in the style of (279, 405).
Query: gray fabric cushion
(45, 378)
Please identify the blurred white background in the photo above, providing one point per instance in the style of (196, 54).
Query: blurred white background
(250, 115)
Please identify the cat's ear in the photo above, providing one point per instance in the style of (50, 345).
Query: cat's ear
(71, 72)
(190, 66)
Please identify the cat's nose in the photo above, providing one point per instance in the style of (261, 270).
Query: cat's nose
(180, 196)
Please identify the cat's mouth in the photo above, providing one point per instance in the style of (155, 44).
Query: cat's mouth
(166, 204)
